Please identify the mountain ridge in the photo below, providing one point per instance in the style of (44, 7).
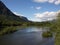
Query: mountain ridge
(7, 16)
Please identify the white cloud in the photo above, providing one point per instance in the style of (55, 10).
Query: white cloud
(17, 14)
(51, 1)
(46, 16)
(37, 7)
(57, 2)
(39, 1)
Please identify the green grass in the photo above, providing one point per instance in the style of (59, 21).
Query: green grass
(56, 29)
(10, 29)
(57, 39)
(47, 34)
(7, 30)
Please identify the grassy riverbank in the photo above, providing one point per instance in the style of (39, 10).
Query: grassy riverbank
(10, 29)
(7, 30)
(56, 28)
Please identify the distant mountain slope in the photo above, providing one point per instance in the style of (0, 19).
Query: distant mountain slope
(7, 15)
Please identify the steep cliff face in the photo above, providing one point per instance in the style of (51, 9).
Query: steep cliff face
(6, 14)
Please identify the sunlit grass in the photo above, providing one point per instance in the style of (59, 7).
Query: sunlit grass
(7, 30)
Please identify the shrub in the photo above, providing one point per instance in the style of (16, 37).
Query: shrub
(47, 34)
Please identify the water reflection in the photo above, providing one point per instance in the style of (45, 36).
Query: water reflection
(27, 36)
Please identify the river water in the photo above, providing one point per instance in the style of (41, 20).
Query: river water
(27, 36)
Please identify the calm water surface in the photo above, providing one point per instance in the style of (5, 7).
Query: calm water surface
(27, 36)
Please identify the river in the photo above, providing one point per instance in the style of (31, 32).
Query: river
(27, 36)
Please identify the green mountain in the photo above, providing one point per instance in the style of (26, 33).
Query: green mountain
(7, 17)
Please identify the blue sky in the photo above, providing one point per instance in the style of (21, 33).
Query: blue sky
(36, 10)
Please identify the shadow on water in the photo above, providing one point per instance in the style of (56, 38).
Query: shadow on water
(27, 36)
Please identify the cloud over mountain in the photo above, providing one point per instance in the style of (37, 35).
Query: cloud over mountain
(17, 14)
(46, 16)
